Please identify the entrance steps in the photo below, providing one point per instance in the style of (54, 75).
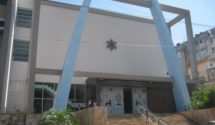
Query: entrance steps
(126, 119)
(178, 119)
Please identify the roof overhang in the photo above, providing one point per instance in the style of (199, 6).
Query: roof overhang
(181, 13)
(106, 75)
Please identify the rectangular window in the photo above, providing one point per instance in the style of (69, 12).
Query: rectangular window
(24, 18)
(44, 94)
(211, 40)
(21, 51)
(213, 50)
(2, 23)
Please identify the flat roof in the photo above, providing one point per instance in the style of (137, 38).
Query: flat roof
(98, 11)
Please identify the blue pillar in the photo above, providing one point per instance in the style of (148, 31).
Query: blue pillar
(64, 85)
(171, 58)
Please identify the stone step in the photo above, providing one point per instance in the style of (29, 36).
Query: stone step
(126, 119)
(178, 119)
(124, 116)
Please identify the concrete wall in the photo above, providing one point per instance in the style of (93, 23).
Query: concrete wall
(138, 48)
(27, 4)
(18, 85)
(92, 116)
(202, 67)
(201, 117)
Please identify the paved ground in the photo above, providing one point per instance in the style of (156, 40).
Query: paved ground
(126, 120)
(177, 119)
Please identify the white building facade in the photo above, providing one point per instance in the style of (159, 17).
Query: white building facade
(120, 62)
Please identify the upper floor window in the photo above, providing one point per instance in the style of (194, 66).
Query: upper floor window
(213, 50)
(21, 51)
(2, 23)
(24, 18)
(212, 40)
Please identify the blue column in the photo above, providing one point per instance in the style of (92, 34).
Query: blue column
(64, 85)
(174, 67)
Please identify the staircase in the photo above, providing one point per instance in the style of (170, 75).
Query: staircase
(126, 119)
(177, 119)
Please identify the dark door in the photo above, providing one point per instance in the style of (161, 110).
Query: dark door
(127, 100)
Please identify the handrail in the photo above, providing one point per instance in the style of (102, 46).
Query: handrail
(150, 117)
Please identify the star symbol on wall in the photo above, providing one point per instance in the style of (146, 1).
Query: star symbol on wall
(111, 44)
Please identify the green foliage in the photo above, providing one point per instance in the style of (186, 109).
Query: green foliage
(52, 117)
(203, 98)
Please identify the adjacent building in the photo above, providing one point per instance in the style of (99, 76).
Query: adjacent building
(204, 44)
(120, 62)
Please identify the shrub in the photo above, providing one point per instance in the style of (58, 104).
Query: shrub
(203, 98)
(52, 117)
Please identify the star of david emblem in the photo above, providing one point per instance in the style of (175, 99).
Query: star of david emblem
(111, 44)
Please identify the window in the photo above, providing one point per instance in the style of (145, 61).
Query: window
(2, 23)
(24, 18)
(196, 44)
(211, 40)
(77, 97)
(213, 50)
(21, 51)
(4, 2)
(43, 96)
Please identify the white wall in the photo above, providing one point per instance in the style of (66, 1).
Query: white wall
(22, 34)
(138, 48)
(17, 92)
(27, 4)
(55, 79)
(17, 87)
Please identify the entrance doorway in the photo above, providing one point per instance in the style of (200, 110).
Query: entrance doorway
(127, 100)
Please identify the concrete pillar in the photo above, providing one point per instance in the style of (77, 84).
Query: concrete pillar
(191, 47)
(64, 85)
(174, 67)
(9, 39)
(33, 55)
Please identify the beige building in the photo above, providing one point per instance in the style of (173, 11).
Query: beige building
(205, 50)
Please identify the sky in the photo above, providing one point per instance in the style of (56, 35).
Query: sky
(202, 13)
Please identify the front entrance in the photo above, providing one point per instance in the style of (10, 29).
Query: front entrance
(119, 100)
(112, 97)
(139, 98)
(127, 100)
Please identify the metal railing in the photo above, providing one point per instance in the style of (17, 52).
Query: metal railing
(151, 118)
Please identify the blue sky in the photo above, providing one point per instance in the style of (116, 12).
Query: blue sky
(202, 13)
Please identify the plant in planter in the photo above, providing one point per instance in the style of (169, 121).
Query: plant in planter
(52, 117)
